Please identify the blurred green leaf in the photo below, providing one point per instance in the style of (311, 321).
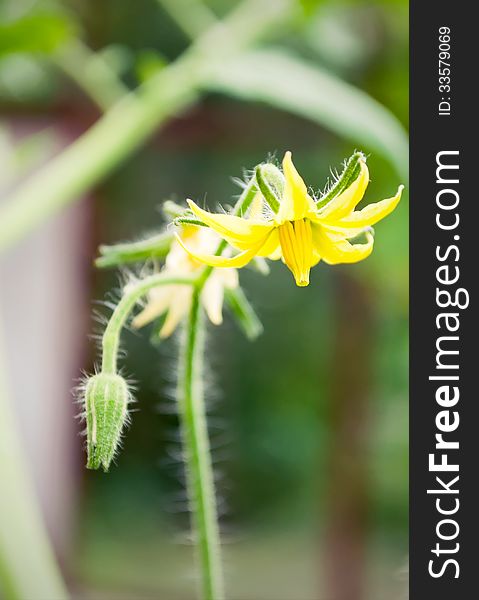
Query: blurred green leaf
(290, 83)
(39, 33)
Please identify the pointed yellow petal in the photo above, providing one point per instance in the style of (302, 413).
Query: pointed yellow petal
(335, 249)
(296, 202)
(228, 277)
(159, 300)
(297, 248)
(271, 245)
(238, 261)
(178, 309)
(371, 214)
(276, 254)
(212, 299)
(242, 233)
(346, 201)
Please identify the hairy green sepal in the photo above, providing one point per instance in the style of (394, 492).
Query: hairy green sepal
(270, 182)
(116, 255)
(106, 406)
(349, 175)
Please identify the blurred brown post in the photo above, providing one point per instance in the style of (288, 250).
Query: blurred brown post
(345, 543)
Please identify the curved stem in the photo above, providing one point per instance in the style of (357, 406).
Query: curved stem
(197, 454)
(111, 336)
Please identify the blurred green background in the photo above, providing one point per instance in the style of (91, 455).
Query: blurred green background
(310, 422)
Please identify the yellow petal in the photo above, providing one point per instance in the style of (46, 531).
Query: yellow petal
(296, 202)
(297, 248)
(212, 299)
(276, 254)
(371, 214)
(178, 309)
(271, 246)
(242, 233)
(238, 261)
(228, 277)
(346, 201)
(159, 300)
(335, 249)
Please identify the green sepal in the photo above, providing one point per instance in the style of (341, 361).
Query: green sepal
(157, 325)
(349, 175)
(270, 182)
(106, 411)
(187, 220)
(243, 313)
(116, 255)
(172, 210)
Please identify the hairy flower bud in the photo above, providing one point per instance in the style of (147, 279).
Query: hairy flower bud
(106, 399)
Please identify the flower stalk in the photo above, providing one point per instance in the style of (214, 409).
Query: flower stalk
(106, 394)
(111, 336)
(196, 446)
(197, 455)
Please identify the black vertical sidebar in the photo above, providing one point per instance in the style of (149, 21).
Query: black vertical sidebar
(444, 524)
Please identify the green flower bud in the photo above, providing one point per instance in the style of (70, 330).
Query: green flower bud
(106, 399)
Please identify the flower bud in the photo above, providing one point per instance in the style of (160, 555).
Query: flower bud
(106, 411)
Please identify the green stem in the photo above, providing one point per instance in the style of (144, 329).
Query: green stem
(111, 336)
(199, 470)
(27, 563)
(244, 312)
(120, 131)
(129, 123)
(200, 482)
(91, 73)
(192, 16)
(156, 246)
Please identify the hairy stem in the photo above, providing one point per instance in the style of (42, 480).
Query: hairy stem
(200, 482)
(111, 336)
(196, 446)
(27, 563)
(120, 254)
(197, 453)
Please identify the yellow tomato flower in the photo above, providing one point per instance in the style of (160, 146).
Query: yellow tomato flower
(175, 300)
(302, 232)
